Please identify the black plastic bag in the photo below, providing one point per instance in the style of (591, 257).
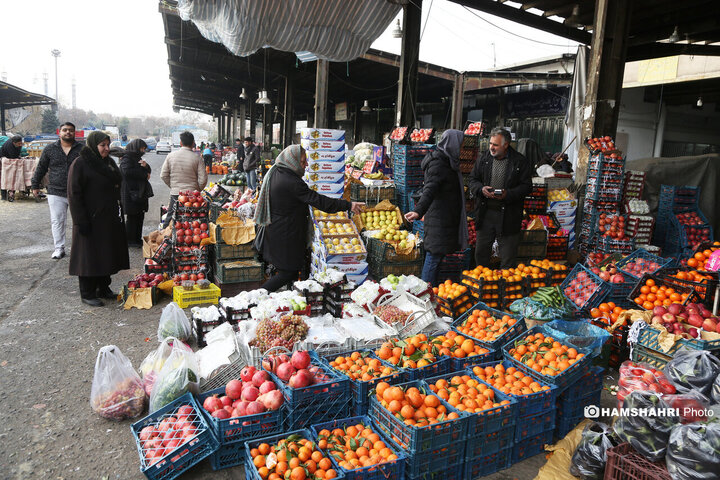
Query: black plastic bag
(693, 370)
(590, 457)
(694, 451)
(715, 390)
(647, 432)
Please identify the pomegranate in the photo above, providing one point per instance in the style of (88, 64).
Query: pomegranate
(300, 360)
(233, 389)
(226, 401)
(260, 377)
(266, 387)
(255, 407)
(285, 371)
(272, 400)
(241, 408)
(250, 394)
(301, 378)
(147, 433)
(212, 403)
(221, 414)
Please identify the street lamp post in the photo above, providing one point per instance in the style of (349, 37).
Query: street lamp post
(56, 53)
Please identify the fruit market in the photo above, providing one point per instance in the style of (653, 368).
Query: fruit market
(504, 275)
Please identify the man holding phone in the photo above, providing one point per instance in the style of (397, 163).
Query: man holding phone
(500, 181)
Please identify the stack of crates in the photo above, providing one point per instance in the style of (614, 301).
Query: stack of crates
(572, 401)
(407, 172)
(537, 201)
(453, 265)
(237, 268)
(634, 185)
(669, 233)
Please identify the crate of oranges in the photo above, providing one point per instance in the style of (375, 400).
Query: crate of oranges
(532, 396)
(365, 370)
(488, 326)
(417, 355)
(482, 289)
(291, 455)
(453, 299)
(554, 272)
(655, 291)
(701, 255)
(358, 451)
(417, 419)
(488, 410)
(462, 351)
(705, 284)
(545, 359)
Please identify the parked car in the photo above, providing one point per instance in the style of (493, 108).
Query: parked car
(163, 147)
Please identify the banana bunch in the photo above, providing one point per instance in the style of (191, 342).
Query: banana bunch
(375, 176)
(550, 297)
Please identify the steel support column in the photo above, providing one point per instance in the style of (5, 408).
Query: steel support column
(321, 94)
(409, 57)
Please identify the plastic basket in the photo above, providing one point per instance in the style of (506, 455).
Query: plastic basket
(649, 338)
(221, 376)
(239, 271)
(197, 296)
(380, 251)
(391, 470)
(228, 456)
(251, 472)
(371, 195)
(643, 254)
(223, 251)
(453, 265)
(531, 446)
(692, 297)
(623, 462)
(486, 465)
(651, 357)
(322, 409)
(574, 407)
(705, 288)
(241, 428)
(338, 386)
(597, 294)
(184, 456)
(515, 330)
(488, 443)
(534, 425)
(590, 382)
(447, 472)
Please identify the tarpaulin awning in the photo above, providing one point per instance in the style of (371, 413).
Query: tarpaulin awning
(334, 30)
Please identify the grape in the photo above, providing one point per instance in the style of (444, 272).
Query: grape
(280, 333)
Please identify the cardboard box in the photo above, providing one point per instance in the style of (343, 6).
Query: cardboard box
(566, 222)
(351, 268)
(323, 156)
(326, 145)
(322, 134)
(564, 208)
(328, 189)
(357, 279)
(325, 167)
(324, 177)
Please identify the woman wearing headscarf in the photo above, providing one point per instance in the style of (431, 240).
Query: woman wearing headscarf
(135, 190)
(10, 150)
(99, 248)
(442, 203)
(283, 211)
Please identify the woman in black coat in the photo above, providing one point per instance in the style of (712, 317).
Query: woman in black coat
(442, 203)
(135, 190)
(99, 248)
(283, 211)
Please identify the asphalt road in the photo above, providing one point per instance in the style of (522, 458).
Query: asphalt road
(48, 345)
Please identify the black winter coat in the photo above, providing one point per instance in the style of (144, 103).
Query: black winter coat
(441, 204)
(94, 199)
(135, 185)
(285, 242)
(54, 161)
(518, 185)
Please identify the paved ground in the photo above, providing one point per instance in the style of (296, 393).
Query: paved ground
(48, 344)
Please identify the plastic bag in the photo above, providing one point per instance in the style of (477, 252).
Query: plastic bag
(715, 390)
(692, 370)
(694, 451)
(641, 376)
(648, 434)
(588, 461)
(174, 323)
(117, 391)
(153, 363)
(529, 308)
(692, 406)
(178, 376)
(580, 334)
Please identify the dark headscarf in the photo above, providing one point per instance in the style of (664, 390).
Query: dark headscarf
(9, 150)
(132, 149)
(289, 159)
(92, 142)
(449, 145)
(90, 151)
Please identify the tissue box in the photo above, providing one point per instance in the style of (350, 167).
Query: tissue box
(322, 134)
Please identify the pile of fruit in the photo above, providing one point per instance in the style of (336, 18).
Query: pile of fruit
(581, 288)
(510, 381)
(179, 278)
(609, 273)
(293, 458)
(337, 246)
(280, 333)
(544, 354)
(421, 135)
(602, 144)
(652, 295)
(607, 313)
(190, 233)
(320, 215)
(596, 258)
(144, 280)
(559, 195)
(361, 366)
(639, 266)
(336, 228)
(391, 314)
(475, 128)
(699, 259)
(641, 376)
(451, 344)
(297, 371)
(399, 133)
(254, 393)
(695, 277)
(486, 327)
(412, 352)
(472, 233)
(686, 320)
(191, 199)
(238, 179)
(355, 446)
(612, 226)
(162, 438)
(450, 290)
(466, 394)
(377, 219)
(413, 407)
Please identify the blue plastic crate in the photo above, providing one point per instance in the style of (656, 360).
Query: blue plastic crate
(408, 167)
(319, 411)
(563, 379)
(419, 439)
(488, 421)
(533, 403)
(392, 470)
(228, 456)
(447, 472)
(598, 293)
(438, 367)
(644, 254)
(183, 457)
(527, 427)
(241, 428)
(531, 446)
(483, 466)
(570, 408)
(402, 152)
(486, 444)
(457, 364)
(358, 409)
(590, 382)
(431, 464)
(419, 228)
(338, 386)
(515, 330)
(251, 472)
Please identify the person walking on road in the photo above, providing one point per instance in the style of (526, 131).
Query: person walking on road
(442, 203)
(10, 150)
(207, 157)
(183, 170)
(99, 247)
(282, 211)
(500, 180)
(135, 190)
(55, 161)
(251, 162)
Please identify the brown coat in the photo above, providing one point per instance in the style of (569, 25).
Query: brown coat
(94, 200)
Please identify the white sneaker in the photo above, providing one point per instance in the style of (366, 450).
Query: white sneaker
(58, 254)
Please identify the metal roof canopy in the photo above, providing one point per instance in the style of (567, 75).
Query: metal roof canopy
(15, 97)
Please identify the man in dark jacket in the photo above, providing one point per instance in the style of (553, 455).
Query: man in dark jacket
(55, 161)
(251, 162)
(500, 180)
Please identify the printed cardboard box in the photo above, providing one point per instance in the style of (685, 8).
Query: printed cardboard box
(322, 134)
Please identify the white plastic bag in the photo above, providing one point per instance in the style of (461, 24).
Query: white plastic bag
(178, 376)
(153, 363)
(117, 392)
(174, 323)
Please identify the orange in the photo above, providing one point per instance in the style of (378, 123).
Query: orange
(297, 473)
